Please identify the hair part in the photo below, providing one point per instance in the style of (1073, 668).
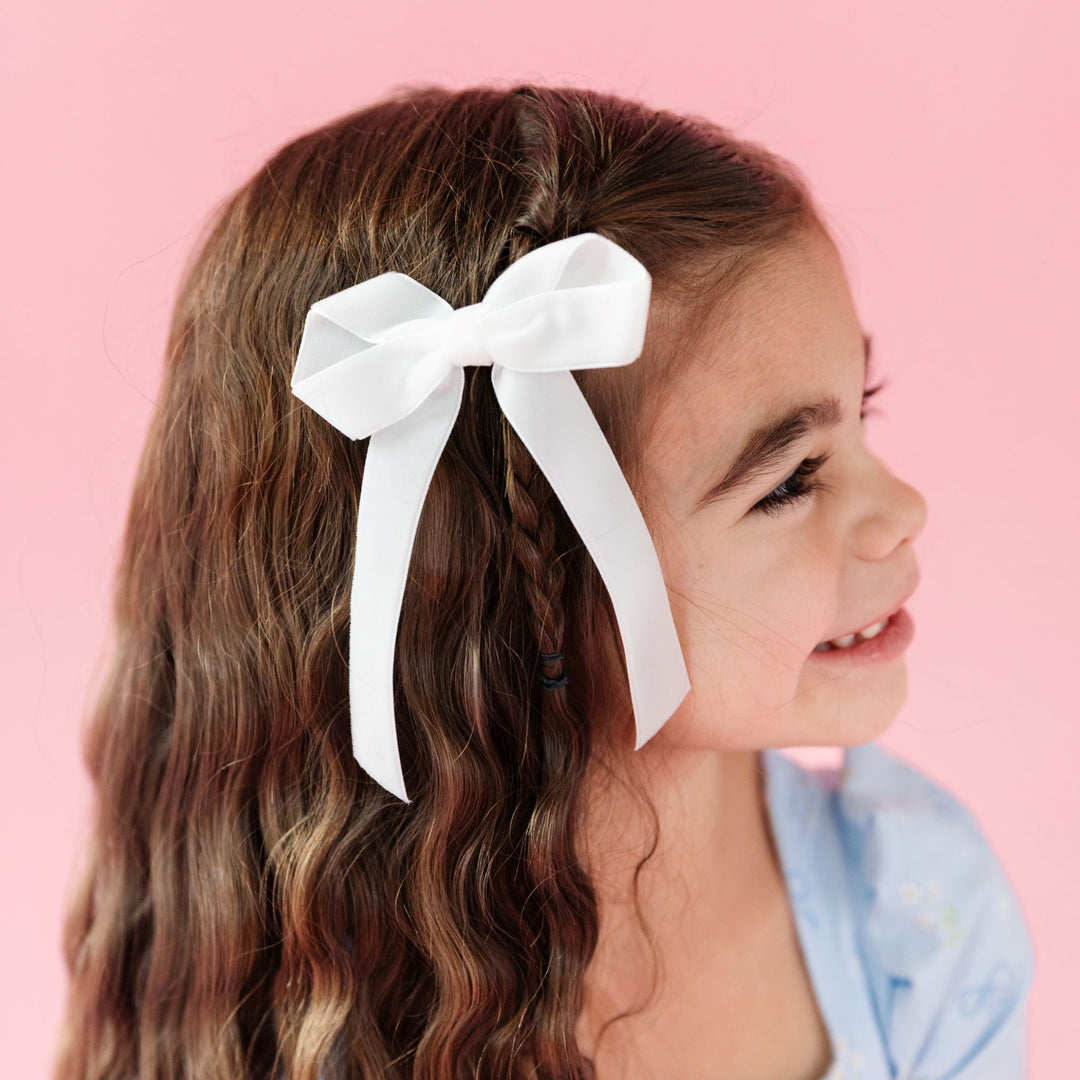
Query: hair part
(252, 903)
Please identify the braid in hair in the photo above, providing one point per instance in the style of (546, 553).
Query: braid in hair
(533, 541)
(550, 212)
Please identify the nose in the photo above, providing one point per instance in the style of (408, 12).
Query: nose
(896, 512)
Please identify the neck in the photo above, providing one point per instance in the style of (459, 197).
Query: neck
(713, 880)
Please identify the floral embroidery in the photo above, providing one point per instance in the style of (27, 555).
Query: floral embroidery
(933, 910)
(849, 1063)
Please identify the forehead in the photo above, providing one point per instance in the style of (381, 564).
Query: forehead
(789, 334)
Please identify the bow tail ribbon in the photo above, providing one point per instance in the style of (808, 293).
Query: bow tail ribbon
(556, 425)
(400, 463)
(554, 421)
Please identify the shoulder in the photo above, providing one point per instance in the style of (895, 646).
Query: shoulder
(941, 933)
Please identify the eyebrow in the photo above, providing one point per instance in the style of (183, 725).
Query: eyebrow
(767, 444)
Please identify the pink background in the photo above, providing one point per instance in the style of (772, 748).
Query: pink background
(940, 136)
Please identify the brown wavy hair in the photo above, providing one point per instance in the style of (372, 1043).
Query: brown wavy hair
(252, 903)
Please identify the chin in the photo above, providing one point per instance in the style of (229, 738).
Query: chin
(864, 729)
(852, 710)
(874, 719)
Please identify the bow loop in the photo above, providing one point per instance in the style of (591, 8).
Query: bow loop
(383, 307)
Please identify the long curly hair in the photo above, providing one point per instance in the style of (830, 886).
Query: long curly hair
(252, 904)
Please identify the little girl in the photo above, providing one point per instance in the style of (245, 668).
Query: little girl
(559, 838)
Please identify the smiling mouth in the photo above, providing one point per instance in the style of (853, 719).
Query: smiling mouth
(871, 630)
(883, 641)
(847, 640)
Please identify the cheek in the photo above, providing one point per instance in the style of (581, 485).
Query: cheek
(748, 617)
(795, 602)
(779, 591)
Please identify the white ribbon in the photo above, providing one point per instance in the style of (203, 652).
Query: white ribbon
(384, 359)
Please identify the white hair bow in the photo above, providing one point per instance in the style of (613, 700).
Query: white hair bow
(384, 359)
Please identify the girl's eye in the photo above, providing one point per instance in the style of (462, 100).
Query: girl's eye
(799, 485)
(796, 487)
(868, 393)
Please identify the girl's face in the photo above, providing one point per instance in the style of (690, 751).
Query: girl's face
(757, 579)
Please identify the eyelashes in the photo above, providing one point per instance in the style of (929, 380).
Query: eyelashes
(795, 488)
(800, 484)
(868, 393)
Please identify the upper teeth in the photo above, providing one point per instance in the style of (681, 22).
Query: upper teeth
(850, 639)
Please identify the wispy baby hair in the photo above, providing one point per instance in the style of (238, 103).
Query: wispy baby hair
(253, 905)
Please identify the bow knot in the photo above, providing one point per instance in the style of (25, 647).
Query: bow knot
(463, 337)
(384, 358)
(457, 335)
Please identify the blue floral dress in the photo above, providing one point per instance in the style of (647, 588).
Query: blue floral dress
(917, 948)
